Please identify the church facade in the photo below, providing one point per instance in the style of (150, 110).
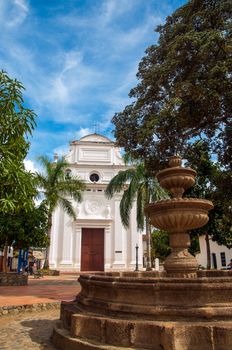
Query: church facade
(96, 240)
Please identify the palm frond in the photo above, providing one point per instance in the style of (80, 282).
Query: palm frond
(156, 191)
(139, 183)
(46, 164)
(58, 170)
(119, 181)
(67, 206)
(72, 187)
(125, 208)
(127, 200)
(40, 180)
(140, 208)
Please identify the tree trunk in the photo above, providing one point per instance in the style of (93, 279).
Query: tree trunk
(208, 253)
(47, 253)
(4, 263)
(148, 236)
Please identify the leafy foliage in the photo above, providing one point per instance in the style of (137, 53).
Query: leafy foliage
(26, 228)
(210, 185)
(160, 244)
(56, 187)
(185, 88)
(16, 124)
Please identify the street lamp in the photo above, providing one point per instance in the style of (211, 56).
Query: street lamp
(136, 257)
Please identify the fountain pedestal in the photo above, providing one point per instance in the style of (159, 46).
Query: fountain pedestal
(178, 309)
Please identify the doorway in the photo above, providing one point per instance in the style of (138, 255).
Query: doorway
(92, 249)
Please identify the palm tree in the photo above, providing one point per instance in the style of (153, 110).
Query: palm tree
(57, 186)
(138, 185)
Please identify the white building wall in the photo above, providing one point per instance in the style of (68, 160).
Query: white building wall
(95, 154)
(216, 249)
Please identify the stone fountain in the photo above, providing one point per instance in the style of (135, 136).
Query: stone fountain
(179, 215)
(181, 308)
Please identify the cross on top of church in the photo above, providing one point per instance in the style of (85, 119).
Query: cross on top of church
(96, 128)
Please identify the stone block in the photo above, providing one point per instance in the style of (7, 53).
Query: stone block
(223, 337)
(146, 335)
(193, 337)
(88, 327)
(118, 332)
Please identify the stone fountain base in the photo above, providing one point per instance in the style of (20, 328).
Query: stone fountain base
(146, 310)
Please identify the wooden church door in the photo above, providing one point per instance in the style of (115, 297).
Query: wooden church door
(92, 249)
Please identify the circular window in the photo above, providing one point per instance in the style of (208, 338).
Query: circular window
(94, 177)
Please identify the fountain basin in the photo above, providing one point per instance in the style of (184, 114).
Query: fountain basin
(145, 311)
(176, 179)
(156, 297)
(179, 214)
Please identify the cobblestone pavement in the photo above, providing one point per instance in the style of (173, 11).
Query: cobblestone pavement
(30, 331)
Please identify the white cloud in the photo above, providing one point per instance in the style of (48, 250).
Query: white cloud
(30, 166)
(132, 38)
(61, 150)
(59, 91)
(13, 13)
(83, 132)
(72, 59)
(111, 9)
(68, 85)
(23, 5)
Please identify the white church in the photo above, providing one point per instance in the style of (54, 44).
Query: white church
(96, 240)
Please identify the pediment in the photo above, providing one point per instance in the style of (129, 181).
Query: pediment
(95, 138)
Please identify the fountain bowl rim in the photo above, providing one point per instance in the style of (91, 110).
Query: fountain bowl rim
(185, 204)
(176, 171)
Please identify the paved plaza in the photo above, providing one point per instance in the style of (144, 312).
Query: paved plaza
(43, 290)
(32, 329)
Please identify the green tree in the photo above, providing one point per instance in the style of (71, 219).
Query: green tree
(136, 184)
(185, 88)
(57, 189)
(160, 244)
(16, 124)
(210, 185)
(24, 229)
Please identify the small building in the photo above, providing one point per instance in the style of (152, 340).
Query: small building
(97, 240)
(220, 255)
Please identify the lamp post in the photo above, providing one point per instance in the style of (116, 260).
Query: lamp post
(136, 258)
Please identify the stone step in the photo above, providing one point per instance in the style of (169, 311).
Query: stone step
(63, 341)
(118, 333)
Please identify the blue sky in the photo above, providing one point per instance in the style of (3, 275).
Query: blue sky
(77, 60)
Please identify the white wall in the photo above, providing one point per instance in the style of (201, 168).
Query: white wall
(214, 249)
